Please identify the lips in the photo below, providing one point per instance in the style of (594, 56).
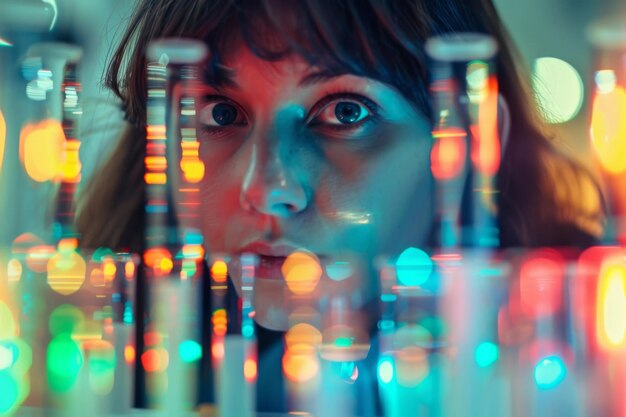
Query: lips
(270, 267)
(271, 256)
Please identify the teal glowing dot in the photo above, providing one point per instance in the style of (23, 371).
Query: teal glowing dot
(190, 351)
(413, 266)
(388, 298)
(247, 330)
(385, 371)
(549, 372)
(100, 254)
(338, 271)
(10, 392)
(343, 342)
(487, 353)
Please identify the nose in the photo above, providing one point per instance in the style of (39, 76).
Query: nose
(271, 184)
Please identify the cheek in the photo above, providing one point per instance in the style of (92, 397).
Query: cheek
(385, 189)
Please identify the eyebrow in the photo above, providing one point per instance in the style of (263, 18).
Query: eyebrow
(319, 77)
(224, 77)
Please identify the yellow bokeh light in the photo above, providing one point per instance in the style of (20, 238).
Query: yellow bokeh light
(66, 272)
(8, 330)
(558, 88)
(302, 272)
(219, 271)
(71, 166)
(611, 305)
(41, 150)
(608, 129)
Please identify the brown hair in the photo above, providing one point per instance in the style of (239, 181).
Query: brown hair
(380, 39)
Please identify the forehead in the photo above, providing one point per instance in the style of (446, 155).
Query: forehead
(241, 61)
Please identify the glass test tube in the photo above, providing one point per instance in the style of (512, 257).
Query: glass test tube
(233, 338)
(172, 263)
(466, 149)
(412, 341)
(608, 118)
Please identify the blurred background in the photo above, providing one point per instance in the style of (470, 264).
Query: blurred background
(551, 36)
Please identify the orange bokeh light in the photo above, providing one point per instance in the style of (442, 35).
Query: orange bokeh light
(302, 272)
(448, 154)
(219, 271)
(250, 369)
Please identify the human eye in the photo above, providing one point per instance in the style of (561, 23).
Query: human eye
(343, 111)
(219, 113)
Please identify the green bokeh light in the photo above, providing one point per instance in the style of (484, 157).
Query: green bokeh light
(64, 361)
(66, 319)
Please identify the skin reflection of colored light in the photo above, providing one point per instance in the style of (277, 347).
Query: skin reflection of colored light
(608, 129)
(549, 372)
(448, 153)
(155, 360)
(14, 270)
(611, 305)
(66, 273)
(250, 370)
(414, 267)
(487, 353)
(220, 322)
(190, 351)
(219, 271)
(41, 150)
(385, 371)
(129, 354)
(541, 282)
(302, 272)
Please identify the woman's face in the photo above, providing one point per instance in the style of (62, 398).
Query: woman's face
(297, 158)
